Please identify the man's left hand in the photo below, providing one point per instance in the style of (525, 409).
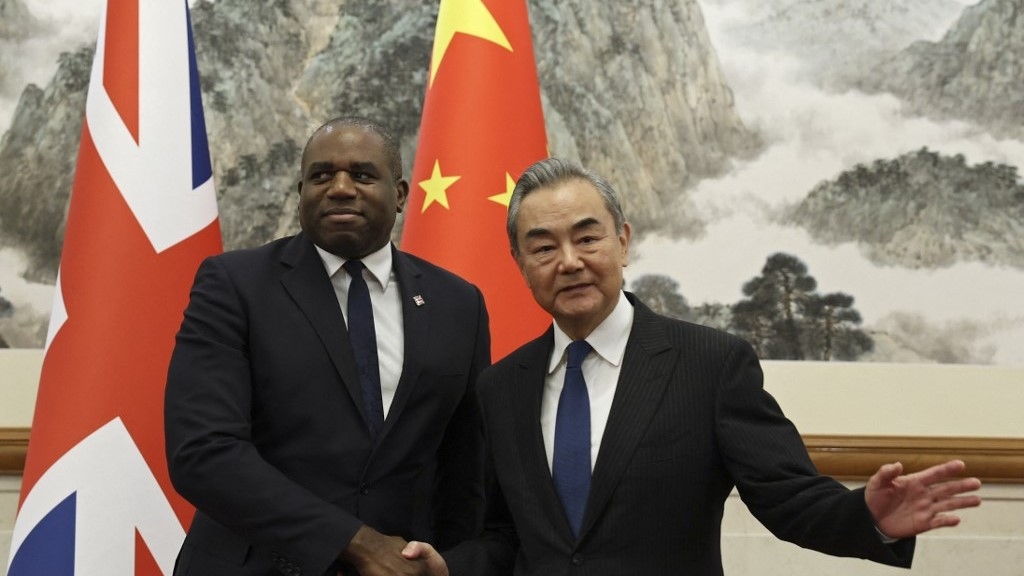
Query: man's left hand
(907, 505)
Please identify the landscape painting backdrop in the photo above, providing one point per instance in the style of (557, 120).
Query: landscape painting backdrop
(831, 179)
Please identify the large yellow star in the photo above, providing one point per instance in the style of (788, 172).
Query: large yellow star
(437, 187)
(505, 198)
(466, 16)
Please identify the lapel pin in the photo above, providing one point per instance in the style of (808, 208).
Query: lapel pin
(418, 300)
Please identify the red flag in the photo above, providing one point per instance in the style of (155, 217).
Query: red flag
(482, 126)
(96, 497)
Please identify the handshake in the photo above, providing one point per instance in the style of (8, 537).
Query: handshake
(425, 553)
(374, 554)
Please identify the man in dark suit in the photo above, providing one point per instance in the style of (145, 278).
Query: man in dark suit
(303, 452)
(620, 463)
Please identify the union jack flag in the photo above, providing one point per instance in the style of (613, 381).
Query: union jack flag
(96, 499)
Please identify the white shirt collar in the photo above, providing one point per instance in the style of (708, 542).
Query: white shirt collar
(377, 263)
(608, 339)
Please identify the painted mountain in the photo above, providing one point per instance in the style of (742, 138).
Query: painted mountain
(879, 143)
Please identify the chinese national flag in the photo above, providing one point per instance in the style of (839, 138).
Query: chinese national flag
(96, 496)
(482, 126)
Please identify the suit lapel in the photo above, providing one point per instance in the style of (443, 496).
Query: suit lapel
(415, 325)
(646, 368)
(311, 290)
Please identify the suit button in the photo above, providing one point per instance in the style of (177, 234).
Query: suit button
(577, 559)
(364, 490)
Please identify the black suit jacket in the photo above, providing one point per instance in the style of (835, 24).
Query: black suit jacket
(689, 421)
(265, 434)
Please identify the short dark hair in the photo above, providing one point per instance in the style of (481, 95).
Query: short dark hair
(391, 147)
(549, 172)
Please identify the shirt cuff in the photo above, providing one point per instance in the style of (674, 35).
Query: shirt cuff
(886, 539)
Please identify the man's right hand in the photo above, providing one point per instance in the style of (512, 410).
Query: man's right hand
(426, 553)
(374, 554)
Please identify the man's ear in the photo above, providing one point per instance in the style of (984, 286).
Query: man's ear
(624, 240)
(402, 189)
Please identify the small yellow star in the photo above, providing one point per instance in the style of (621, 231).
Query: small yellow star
(437, 187)
(505, 198)
(466, 16)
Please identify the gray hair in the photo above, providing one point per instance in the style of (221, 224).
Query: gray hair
(552, 171)
(392, 149)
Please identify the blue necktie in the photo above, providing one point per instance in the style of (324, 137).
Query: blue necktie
(363, 336)
(570, 467)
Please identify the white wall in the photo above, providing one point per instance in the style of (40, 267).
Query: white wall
(821, 398)
(989, 541)
(854, 399)
(9, 488)
(20, 377)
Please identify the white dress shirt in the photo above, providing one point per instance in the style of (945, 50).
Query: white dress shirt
(386, 300)
(600, 369)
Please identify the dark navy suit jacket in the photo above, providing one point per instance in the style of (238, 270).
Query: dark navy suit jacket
(265, 435)
(689, 421)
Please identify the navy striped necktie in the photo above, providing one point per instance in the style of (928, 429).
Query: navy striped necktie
(570, 467)
(363, 335)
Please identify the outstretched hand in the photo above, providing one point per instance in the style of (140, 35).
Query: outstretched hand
(426, 553)
(907, 505)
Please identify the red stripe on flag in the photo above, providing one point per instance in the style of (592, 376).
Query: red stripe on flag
(121, 61)
(144, 561)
